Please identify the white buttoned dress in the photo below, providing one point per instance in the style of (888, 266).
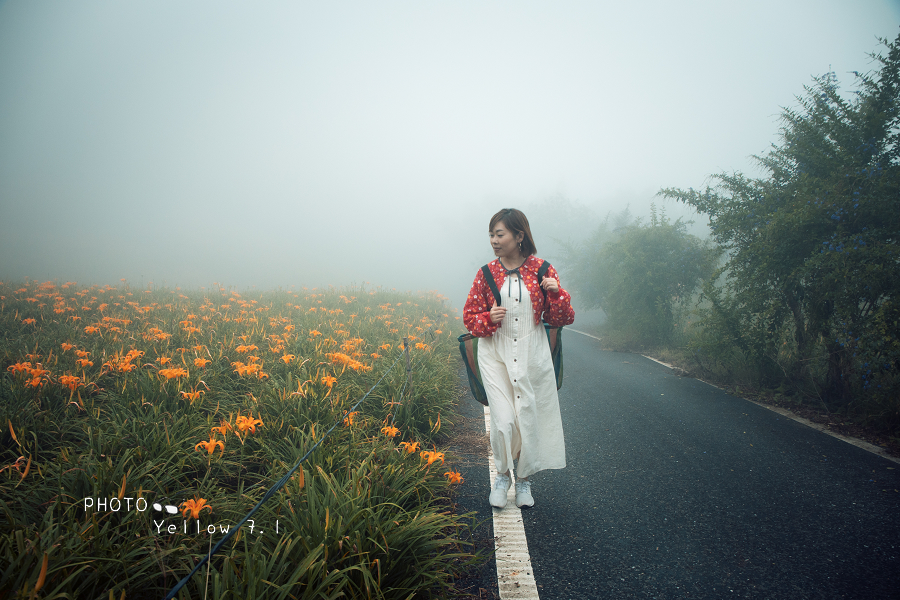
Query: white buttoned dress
(517, 373)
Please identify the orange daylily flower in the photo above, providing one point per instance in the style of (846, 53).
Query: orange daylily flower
(432, 456)
(348, 420)
(192, 395)
(19, 367)
(163, 360)
(385, 346)
(172, 373)
(242, 369)
(122, 365)
(29, 321)
(329, 380)
(453, 477)
(287, 358)
(194, 507)
(211, 445)
(348, 361)
(313, 332)
(83, 362)
(390, 431)
(247, 423)
(20, 462)
(201, 362)
(82, 353)
(239, 368)
(66, 347)
(70, 381)
(37, 371)
(91, 329)
(410, 447)
(223, 429)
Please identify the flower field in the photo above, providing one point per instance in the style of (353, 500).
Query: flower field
(138, 426)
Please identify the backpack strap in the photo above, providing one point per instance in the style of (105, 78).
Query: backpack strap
(489, 277)
(542, 270)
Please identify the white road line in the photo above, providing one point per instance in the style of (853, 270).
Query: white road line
(864, 445)
(515, 579)
(583, 333)
(658, 361)
(786, 413)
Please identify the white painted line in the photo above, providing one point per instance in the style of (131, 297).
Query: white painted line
(785, 413)
(658, 361)
(583, 333)
(821, 428)
(850, 440)
(515, 579)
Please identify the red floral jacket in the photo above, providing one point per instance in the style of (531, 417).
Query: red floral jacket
(476, 314)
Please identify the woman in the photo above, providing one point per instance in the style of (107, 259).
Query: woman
(514, 356)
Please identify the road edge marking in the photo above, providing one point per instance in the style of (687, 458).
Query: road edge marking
(515, 577)
(583, 333)
(784, 412)
(862, 444)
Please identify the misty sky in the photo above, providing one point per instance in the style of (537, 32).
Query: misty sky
(314, 143)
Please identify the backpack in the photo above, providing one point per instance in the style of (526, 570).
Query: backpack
(468, 343)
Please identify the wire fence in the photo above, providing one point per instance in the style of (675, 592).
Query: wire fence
(287, 476)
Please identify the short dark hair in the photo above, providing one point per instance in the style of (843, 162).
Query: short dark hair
(516, 221)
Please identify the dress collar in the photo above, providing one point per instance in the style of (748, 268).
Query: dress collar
(516, 270)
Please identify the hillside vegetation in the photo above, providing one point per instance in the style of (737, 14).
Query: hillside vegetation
(117, 402)
(797, 292)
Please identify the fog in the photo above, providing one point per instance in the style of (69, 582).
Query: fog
(312, 143)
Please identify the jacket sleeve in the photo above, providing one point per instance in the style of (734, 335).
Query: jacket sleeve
(476, 313)
(558, 311)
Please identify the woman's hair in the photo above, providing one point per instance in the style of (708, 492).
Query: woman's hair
(516, 221)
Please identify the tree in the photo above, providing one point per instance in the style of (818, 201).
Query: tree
(638, 273)
(813, 248)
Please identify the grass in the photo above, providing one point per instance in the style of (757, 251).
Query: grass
(130, 397)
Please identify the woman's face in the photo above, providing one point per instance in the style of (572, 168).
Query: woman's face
(505, 244)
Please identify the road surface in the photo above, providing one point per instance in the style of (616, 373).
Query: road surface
(676, 489)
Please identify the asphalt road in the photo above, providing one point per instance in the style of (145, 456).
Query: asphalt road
(675, 489)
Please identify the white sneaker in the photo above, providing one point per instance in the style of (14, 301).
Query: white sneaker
(523, 494)
(501, 487)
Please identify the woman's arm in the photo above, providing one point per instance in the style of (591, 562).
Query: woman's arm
(477, 311)
(558, 311)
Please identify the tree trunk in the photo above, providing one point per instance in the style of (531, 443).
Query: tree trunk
(837, 377)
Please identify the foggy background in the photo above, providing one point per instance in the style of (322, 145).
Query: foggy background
(311, 143)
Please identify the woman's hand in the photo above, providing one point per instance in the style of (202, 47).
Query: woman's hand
(497, 313)
(550, 284)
